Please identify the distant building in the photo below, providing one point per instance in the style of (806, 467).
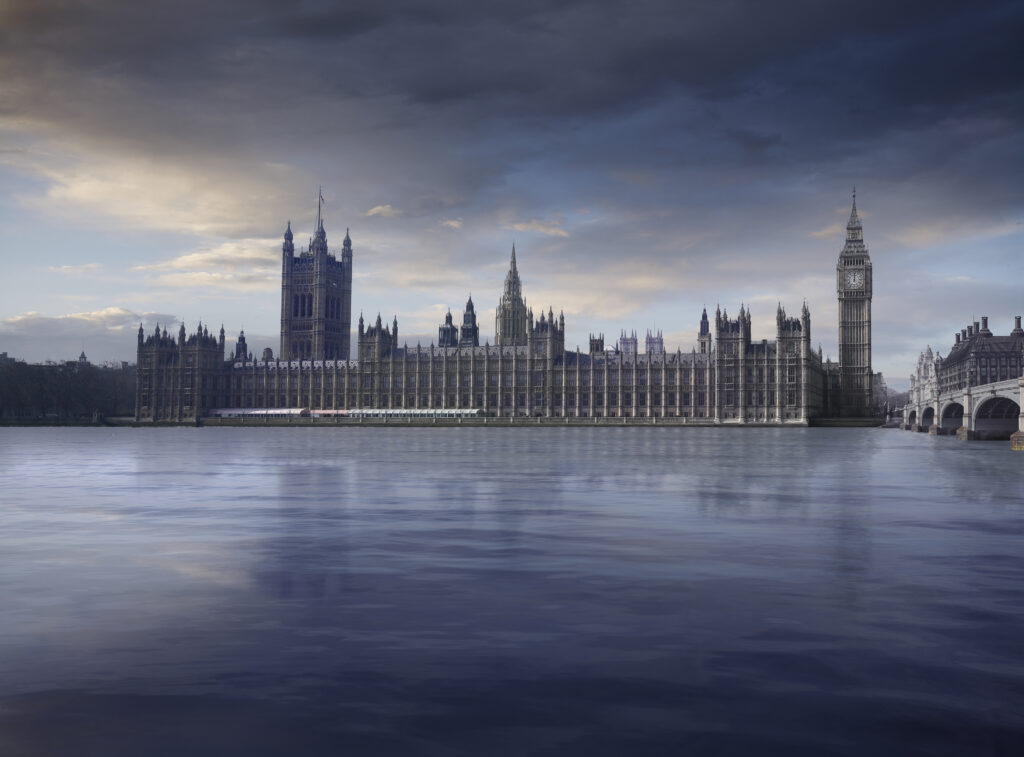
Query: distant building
(727, 378)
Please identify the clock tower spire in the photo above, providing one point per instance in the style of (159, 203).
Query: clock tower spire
(854, 289)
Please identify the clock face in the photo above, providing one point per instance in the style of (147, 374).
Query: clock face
(854, 279)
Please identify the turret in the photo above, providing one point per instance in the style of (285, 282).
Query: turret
(346, 248)
(470, 332)
(241, 349)
(318, 245)
(288, 247)
(704, 333)
(448, 333)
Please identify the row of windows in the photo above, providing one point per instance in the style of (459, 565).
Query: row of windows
(439, 381)
(728, 398)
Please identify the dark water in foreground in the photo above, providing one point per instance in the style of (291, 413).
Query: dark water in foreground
(509, 591)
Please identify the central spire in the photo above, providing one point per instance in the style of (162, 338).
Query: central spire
(854, 232)
(511, 317)
(854, 222)
(319, 203)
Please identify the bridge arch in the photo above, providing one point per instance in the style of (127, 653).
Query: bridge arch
(928, 416)
(952, 416)
(912, 418)
(996, 418)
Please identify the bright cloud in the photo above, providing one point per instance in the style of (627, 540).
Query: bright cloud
(75, 269)
(242, 265)
(551, 228)
(384, 211)
(233, 255)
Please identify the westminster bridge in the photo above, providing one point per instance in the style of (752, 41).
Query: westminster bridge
(987, 411)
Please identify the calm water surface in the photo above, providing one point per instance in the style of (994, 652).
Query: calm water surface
(509, 591)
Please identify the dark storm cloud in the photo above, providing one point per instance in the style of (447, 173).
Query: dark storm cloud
(795, 81)
(544, 58)
(701, 140)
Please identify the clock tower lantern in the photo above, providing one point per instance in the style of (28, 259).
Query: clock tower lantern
(853, 286)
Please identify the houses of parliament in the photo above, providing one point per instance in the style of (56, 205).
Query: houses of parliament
(726, 378)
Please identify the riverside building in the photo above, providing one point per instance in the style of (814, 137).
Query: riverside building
(727, 377)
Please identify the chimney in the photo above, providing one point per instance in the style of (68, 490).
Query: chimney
(970, 331)
(984, 326)
(1017, 330)
(957, 335)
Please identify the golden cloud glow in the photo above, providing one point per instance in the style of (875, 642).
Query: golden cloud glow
(551, 228)
(384, 211)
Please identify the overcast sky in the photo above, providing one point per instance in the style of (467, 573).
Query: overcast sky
(647, 159)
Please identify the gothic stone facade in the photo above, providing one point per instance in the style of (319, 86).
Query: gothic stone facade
(727, 378)
(977, 357)
(316, 298)
(742, 381)
(179, 379)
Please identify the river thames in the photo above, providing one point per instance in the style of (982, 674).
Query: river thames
(597, 591)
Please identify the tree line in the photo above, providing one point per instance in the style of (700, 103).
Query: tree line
(70, 391)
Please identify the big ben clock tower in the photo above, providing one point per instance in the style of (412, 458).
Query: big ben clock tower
(853, 286)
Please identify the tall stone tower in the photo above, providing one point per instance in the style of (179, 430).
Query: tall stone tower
(854, 287)
(511, 322)
(316, 297)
